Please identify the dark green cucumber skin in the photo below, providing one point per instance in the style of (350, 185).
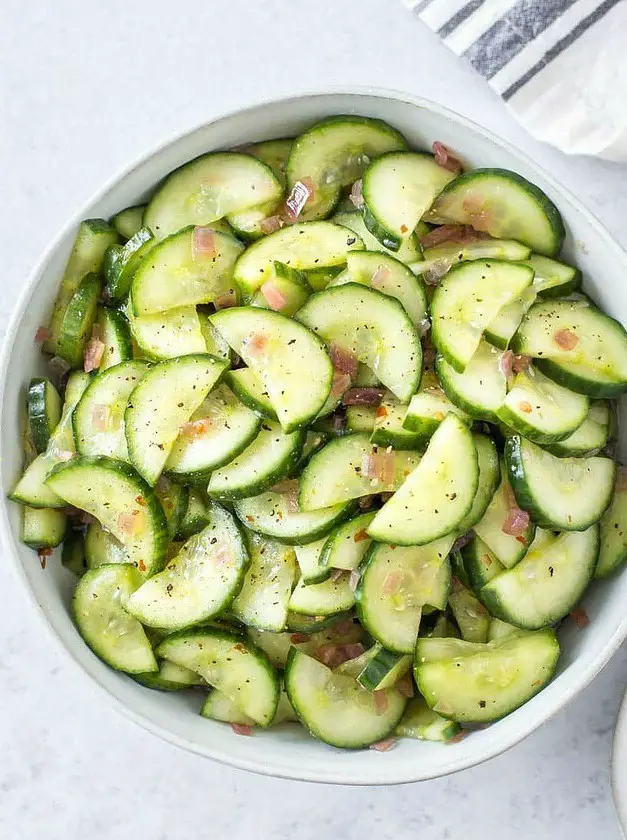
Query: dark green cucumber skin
(563, 289)
(121, 261)
(378, 668)
(555, 371)
(119, 326)
(470, 408)
(245, 397)
(73, 554)
(312, 536)
(552, 213)
(37, 414)
(393, 243)
(301, 623)
(78, 320)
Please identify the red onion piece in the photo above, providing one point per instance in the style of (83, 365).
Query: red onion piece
(446, 158)
(343, 360)
(516, 522)
(355, 195)
(301, 192)
(203, 243)
(242, 728)
(42, 334)
(565, 339)
(93, 354)
(274, 296)
(363, 396)
(383, 746)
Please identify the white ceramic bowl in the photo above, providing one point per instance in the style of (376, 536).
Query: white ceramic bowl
(288, 751)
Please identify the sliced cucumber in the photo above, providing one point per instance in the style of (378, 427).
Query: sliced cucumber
(503, 326)
(501, 630)
(272, 514)
(409, 251)
(197, 514)
(547, 583)
(116, 337)
(285, 292)
(128, 221)
(177, 387)
(503, 204)
(421, 722)
(121, 501)
(542, 410)
(98, 418)
(347, 545)
(215, 344)
(396, 583)
(166, 335)
(429, 407)
(102, 548)
(336, 630)
(449, 253)
(174, 500)
(553, 278)
(278, 350)
(595, 365)
(339, 472)
(219, 430)
(32, 489)
(388, 426)
(362, 419)
(43, 527)
(475, 683)
(170, 677)
(489, 479)
(335, 708)
(230, 663)
(564, 494)
(471, 616)
(383, 668)
(219, 706)
(308, 556)
(249, 388)
(613, 548)
(330, 597)
(480, 390)
(437, 495)
(507, 549)
(208, 188)
(274, 153)
(480, 564)
(78, 320)
(590, 437)
(200, 582)
(468, 299)
(121, 261)
(174, 275)
(361, 321)
(398, 189)
(334, 153)
(44, 406)
(73, 554)
(92, 240)
(303, 246)
(99, 612)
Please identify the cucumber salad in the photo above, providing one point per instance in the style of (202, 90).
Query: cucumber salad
(328, 437)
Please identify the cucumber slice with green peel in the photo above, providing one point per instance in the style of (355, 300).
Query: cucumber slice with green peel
(230, 663)
(219, 430)
(319, 278)
(270, 457)
(437, 495)
(396, 582)
(361, 419)
(274, 153)
(93, 238)
(73, 553)
(312, 624)
(409, 250)
(339, 472)
(98, 418)
(32, 489)
(480, 390)
(347, 545)
(98, 608)
(564, 494)
(383, 669)
(174, 275)
(329, 597)
(508, 549)
(197, 514)
(429, 407)
(489, 479)
(247, 225)
(303, 246)
(115, 334)
(102, 548)
(548, 582)
(248, 387)
(44, 406)
(278, 349)
(398, 189)
(169, 677)
(215, 344)
(43, 527)
(336, 630)
(443, 628)
(501, 630)
(503, 204)
(480, 564)
(335, 708)
(174, 501)
(503, 326)
(121, 501)
(388, 275)
(209, 188)
(199, 582)
(421, 722)
(613, 546)
(589, 438)
(476, 683)
(595, 364)
(272, 514)
(553, 278)
(78, 320)
(219, 706)
(442, 257)
(333, 154)
(285, 292)
(361, 321)
(121, 262)
(308, 556)
(166, 335)
(128, 221)
(540, 409)
(467, 300)
(389, 429)
(177, 387)
(471, 616)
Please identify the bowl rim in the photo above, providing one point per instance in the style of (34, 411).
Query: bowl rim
(255, 765)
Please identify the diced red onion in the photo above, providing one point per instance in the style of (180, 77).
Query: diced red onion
(196, 428)
(462, 541)
(565, 339)
(338, 423)
(405, 686)
(621, 479)
(353, 580)
(274, 296)
(380, 277)
(580, 617)
(301, 192)
(93, 354)
(379, 466)
(380, 702)
(521, 363)
(203, 243)
(341, 383)
(459, 736)
(343, 360)
(227, 300)
(445, 157)
(299, 638)
(336, 574)
(383, 746)
(363, 396)
(42, 334)
(352, 650)
(436, 272)
(271, 224)
(516, 522)
(355, 194)
(242, 728)
(101, 417)
(458, 234)
(392, 582)
(360, 536)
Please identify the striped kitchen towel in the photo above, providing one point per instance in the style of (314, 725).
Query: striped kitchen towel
(561, 65)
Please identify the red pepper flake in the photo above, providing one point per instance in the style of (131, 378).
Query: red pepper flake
(299, 638)
(360, 536)
(525, 407)
(141, 566)
(404, 228)
(43, 554)
(240, 648)
(381, 411)
(250, 519)
(140, 501)
(580, 617)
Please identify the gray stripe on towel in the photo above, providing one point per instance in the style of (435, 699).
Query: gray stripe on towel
(463, 14)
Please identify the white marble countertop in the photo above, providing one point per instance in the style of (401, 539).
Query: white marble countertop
(84, 88)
